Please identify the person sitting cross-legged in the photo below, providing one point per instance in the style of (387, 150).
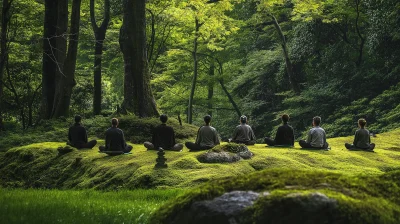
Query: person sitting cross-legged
(316, 136)
(243, 133)
(362, 139)
(163, 137)
(77, 136)
(207, 137)
(115, 139)
(284, 134)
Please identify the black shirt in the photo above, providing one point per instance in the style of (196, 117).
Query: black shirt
(284, 135)
(115, 139)
(77, 135)
(163, 136)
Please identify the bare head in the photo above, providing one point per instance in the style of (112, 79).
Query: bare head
(207, 119)
(362, 122)
(78, 119)
(163, 118)
(114, 122)
(285, 118)
(243, 119)
(316, 121)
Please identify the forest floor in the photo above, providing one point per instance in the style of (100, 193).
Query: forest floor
(76, 174)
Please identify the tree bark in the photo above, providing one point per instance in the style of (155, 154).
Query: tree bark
(221, 82)
(195, 72)
(362, 40)
(5, 20)
(99, 34)
(49, 65)
(211, 73)
(65, 76)
(289, 66)
(138, 96)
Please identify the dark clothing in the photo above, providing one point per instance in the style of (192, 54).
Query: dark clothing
(305, 144)
(77, 137)
(353, 147)
(196, 147)
(115, 140)
(127, 149)
(164, 137)
(362, 139)
(244, 134)
(284, 136)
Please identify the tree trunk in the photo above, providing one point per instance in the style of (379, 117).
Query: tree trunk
(65, 79)
(230, 98)
(138, 96)
(5, 20)
(289, 65)
(195, 72)
(49, 65)
(210, 88)
(100, 34)
(362, 40)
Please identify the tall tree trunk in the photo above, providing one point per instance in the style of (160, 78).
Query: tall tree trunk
(65, 79)
(138, 96)
(289, 66)
(195, 72)
(5, 20)
(49, 65)
(211, 73)
(362, 40)
(99, 34)
(221, 82)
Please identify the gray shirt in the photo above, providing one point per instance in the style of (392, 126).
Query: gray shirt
(316, 137)
(243, 133)
(362, 139)
(207, 136)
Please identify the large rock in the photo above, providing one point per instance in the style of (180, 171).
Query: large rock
(226, 209)
(228, 153)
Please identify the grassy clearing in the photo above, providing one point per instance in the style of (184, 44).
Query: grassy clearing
(40, 166)
(85, 206)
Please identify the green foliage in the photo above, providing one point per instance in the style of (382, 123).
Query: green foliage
(84, 206)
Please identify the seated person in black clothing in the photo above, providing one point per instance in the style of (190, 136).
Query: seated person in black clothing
(207, 137)
(164, 137)
(77, 136)
(115, 140)
(362, 139)
(243, 133)
(284, 134)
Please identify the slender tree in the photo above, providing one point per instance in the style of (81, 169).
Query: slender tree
(138, 97)
(99, 34)
(195, 70)
(5, 20)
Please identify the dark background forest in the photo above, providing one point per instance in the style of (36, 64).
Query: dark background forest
(339, 59)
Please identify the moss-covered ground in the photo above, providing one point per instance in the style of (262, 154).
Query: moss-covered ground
(39, 165)
(370, 177)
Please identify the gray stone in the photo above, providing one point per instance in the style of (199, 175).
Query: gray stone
(226, 209)
(218, 157)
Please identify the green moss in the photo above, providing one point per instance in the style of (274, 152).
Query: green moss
(380, 193)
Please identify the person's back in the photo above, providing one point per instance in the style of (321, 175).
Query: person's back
(317, 137)
(77, 135)
(207, 137)
(115, 140)
(284, 135)
(164, 137)
(362, 139)
(243, 133)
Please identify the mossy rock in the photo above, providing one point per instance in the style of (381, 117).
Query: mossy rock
(65, 149)
(227, 153)
(297, 197)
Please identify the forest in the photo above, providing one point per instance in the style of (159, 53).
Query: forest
(63, 60)
(187, 58)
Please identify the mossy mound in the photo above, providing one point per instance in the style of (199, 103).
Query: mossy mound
(347, 199)
(227, 153)
(136, 130)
